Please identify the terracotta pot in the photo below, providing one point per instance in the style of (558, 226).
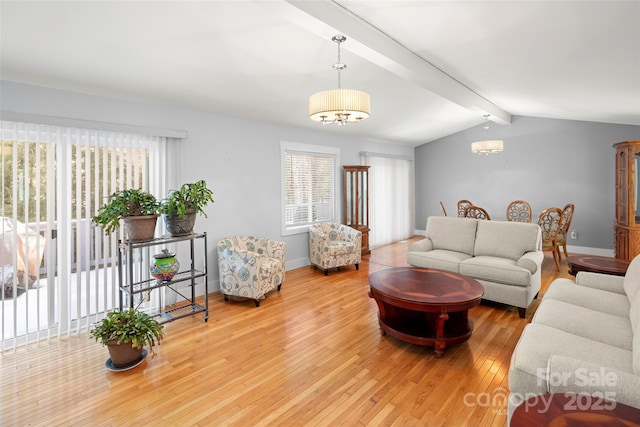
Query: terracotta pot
(123, 355)
(140, 228)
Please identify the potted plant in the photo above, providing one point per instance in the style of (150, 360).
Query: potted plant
(138, 210)
(125, 333)
(180, 208)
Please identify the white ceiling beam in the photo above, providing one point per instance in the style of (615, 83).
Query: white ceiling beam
(324, 18)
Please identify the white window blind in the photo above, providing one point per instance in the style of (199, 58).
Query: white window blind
(391, 199)
(309, 185)
(63, 271)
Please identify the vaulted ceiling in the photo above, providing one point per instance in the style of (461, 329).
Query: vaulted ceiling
(432, 68)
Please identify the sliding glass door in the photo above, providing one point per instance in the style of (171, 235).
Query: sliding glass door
(58, 269)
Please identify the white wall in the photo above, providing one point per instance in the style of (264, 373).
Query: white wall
(239, 159)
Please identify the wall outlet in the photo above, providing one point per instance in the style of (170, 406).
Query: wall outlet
(574, 234)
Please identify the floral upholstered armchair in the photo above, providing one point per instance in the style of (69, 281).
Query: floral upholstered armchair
(250, 267)
(334, 245)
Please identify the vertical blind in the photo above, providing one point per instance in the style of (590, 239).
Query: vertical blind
(59, 270)
(391, 199)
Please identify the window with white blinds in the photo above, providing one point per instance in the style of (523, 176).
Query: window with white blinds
(309, 182)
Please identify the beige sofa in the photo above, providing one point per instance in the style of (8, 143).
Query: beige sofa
(505, 257)
(583, 338)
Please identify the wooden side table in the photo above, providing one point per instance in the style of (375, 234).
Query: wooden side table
(596, 264)
(569, 409)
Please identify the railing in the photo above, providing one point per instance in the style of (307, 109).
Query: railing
(81, 260)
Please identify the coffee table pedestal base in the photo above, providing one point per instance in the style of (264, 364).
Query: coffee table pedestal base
(438, 330)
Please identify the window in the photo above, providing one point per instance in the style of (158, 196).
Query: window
(309, 179)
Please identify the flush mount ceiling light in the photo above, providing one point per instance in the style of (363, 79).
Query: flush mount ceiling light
(339, 106)
(487, 146)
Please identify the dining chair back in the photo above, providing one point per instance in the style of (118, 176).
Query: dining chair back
(519, 211)
(476, 212)
(550, 222)
(462, 205)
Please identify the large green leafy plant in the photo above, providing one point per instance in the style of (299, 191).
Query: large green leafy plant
(131, 202)
(130, 325)
(189, 198)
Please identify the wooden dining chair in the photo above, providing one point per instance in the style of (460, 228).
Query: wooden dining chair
(462, 205)
(476, 212)
(444, 211)
(561, 239)
(550, 222)
(519, 211)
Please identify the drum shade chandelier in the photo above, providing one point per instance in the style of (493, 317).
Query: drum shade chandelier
(339, 106)
(487, 146)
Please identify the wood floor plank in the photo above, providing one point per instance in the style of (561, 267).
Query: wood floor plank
(311, 354)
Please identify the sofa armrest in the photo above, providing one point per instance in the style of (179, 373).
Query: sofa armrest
(567, 375)
(532, 261)
(605, 282)
(423, 245)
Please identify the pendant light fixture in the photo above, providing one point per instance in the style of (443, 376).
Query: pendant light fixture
(339, 106)
(487, 146)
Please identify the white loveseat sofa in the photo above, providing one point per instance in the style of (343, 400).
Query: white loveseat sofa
(505, 257)
(583, 338)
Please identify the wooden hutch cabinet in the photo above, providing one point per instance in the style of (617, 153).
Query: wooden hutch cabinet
(627, 225)
(356, 201)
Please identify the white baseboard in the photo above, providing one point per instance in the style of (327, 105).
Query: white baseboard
(590, 251)
(297, 263)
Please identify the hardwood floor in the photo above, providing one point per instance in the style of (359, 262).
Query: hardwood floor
(311, 354)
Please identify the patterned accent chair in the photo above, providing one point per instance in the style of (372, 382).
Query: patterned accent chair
(250, 267)
(334, 245)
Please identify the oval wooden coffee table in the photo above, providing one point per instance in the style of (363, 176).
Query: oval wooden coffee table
(425, 306)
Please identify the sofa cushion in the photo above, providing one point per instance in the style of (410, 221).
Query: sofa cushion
(595, 325)
(527, 373)
(634, 313)
(452, 234)
(438, 258)
(636, 352)
(634, 317)
(632, 279)
(595, 299)
(498, 270)
(506, 239)
(340, 247)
